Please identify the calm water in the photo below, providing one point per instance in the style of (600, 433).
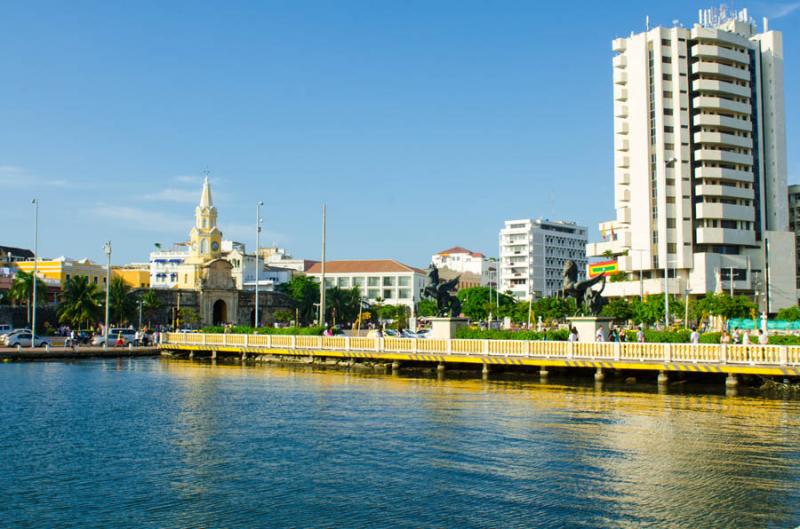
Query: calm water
(163, 444)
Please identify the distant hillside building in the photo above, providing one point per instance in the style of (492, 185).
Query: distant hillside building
(533, 252)
(474, 268)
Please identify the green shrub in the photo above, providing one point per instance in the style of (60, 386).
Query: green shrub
(472, 333)
(784, 339)
(710, 337)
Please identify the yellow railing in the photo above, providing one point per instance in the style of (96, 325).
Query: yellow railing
(753, 354)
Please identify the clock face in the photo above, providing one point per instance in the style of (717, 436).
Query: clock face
(214, 246)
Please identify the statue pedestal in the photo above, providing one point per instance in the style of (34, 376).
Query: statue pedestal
(445, 328)
(587, 326)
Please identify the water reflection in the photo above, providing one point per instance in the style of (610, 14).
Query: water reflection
(175, 443)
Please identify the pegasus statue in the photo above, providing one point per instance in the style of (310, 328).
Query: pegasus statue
(446, 303)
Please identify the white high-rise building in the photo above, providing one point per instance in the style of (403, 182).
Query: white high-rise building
(700, 161)
(533, 252)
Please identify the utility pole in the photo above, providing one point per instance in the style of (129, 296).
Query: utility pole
(322, 282)
(258, 245)
(35, 268)
(107, 250)
(730, 271)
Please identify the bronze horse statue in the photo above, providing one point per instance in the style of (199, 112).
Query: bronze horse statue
(446, 303)
(588, 300)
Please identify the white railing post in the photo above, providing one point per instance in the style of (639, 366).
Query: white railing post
(414, 345)
(347, 343)
(246, 341)
(224, 339)
(449, 346)
(570, 349)
(269, 341)
(294, 342)
(723, 353)
(204, 338)
(486, 347)
(784, 355)
(381, 344)
(668, 353)
(617, 347)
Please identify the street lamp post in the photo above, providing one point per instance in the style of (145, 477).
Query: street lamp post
(140, 314)
(35, 202)
(258, 245)
(107, 250)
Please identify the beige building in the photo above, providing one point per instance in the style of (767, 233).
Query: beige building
(700, 161)
(386, 279)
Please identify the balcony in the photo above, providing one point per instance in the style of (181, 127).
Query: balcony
(623, 161)
(619, 45)
(620, 127)
(624, 195)
(620, 94)
(717, 36)
(717, 103)
(709, 190)
(720, 87)
(724, 122)
(621, 111)
(725, 236)
(620, 61)
(714, 68)
(725, 211)
(709, 51)
(723, 174)
(623, 178)
(624, 215)
(720, 138)
(620, 77)
(623, 145)
(708, 155)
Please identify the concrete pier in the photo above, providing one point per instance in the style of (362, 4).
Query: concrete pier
(543, 373)
(485, 370)
(440, 367)
(732, 381)
(395, 366)
(599, 376)
(663, 378)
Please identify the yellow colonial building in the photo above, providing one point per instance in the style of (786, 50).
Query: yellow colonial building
(134, 275)
(62, 269)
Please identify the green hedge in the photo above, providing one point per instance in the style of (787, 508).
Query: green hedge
(471, 333)
(246, 329)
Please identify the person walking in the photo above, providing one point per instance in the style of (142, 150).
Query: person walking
(600, 335)
(725, 338)
(640, 335)
(763, 339)
(573, 335)
(746, 337)
(695, 337)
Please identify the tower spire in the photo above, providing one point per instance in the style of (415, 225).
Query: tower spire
(205, 198)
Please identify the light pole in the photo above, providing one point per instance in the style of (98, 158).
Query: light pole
(107, 250)
(322, 282)
(35, 203)
(140, 314)
(258, 245)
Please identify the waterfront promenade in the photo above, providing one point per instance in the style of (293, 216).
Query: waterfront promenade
(728, 360)
(78, 352)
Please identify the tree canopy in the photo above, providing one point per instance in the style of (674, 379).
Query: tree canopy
(80, 303)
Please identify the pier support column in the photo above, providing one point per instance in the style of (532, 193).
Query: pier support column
(731, 381)
(191, 355)
(543, 373)
(663, 378)
(599, 376)
(396, 366)
(244, 357)
(440, 367)
(213, 355)
(485, 371)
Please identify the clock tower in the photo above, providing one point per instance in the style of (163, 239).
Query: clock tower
(205, 238)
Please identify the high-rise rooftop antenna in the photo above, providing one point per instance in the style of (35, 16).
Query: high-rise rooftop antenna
(647, 22)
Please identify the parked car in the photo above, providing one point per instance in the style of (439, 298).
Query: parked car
(23, 339)
(127, 336)
(13, 333)
(425, 333)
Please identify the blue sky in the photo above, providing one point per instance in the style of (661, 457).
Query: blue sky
(422, 124)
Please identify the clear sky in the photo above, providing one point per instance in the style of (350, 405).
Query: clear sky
(422, 124)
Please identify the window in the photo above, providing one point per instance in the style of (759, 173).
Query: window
(95, 280)
(388, 281)
(358, 281)
(373, 293)
(387, 293)
(667, 111)
(373, 282)
(670, 200)
(667, 60)
(343, 282)
(672, 248)
(403, 281)
(404, 293)
(666, 77)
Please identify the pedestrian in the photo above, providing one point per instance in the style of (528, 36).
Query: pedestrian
(640, 335)
(736, 337)
(746, 337)
(600, 335)
(694, 337)
(763, 339)
(573, 334)
(725, 338)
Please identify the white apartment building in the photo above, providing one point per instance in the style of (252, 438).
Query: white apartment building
(700, 161)
(463, 261)
(794, 226)
(164, 267)
(533, 252)
(384, 279)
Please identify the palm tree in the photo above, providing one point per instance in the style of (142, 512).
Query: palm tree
(80, 303)
(21, 290)
(121, 303)
(150, 304)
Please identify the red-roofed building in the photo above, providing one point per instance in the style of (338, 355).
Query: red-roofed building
(472, 265)
(386, 279)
